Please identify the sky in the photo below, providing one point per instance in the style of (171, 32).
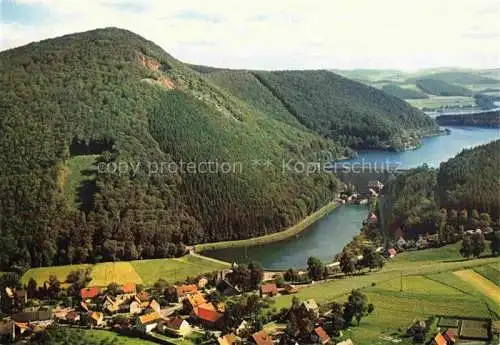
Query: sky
(280, 34)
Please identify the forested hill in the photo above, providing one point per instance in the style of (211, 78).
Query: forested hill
(76, 108)
(471, 180)
(485, 119)
(426, 200)
(338, 108)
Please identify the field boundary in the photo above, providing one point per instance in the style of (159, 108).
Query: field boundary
(480, 283)
(266, 239)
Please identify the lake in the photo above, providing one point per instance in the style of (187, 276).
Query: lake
(329, 235)
(434, 149)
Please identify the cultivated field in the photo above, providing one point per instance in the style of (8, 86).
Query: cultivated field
(175, 269)
(491, 272)
(429, 288)
(439, 101)
(42, 274)
(480, 283)
(145, 272)
(118, 272)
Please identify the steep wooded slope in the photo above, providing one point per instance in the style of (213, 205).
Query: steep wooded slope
(339, 109)
(110, 93)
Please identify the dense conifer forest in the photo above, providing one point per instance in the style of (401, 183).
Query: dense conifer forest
(75, 108)
(462, 194)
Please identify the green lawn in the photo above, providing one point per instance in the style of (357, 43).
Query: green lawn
(111, 338)
(145, 272)
(173, 270)
(189, 340)
(450, 252)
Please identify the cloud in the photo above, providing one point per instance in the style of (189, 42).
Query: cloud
(285, 34)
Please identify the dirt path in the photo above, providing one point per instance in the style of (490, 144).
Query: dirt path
(482, 284)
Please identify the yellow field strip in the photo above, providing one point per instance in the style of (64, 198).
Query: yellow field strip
(481, 284)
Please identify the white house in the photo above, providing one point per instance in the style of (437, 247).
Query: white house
(146, 323)
(176, 326)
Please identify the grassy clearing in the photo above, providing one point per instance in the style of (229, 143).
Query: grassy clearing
(417, 285)
(450, 252)
(140, 272)
(42, 274)
(112, 338)
(278, 236)
(118, 272)
(480, 283)
(440, 101)
(175, 269)
(491, 272)
(77, 170)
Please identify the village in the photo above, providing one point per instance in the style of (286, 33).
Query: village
(208, 310)
(231, 306)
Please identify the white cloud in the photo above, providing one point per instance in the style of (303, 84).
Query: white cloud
(289, 34)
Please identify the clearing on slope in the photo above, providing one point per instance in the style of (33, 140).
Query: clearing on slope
(80, 174)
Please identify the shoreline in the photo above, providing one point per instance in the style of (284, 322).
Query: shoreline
(274, 237)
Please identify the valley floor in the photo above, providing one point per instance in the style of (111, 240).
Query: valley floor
(413, 286)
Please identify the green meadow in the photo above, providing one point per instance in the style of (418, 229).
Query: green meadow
(413, 286)
(145, 272)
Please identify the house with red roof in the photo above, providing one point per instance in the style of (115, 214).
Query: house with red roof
(90, 292)
(262, 338)
(320, 333)
(268, 289)
(183, 291)
(439, 340)
(129, 288)
(450, 336)
(207, 315)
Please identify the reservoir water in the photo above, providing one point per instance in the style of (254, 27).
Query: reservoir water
(329, 235)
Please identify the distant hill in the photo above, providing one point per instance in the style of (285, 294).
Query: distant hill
(453, 77)
(403, 93)
(424, 200)
(112, 149)
(487, 119)
(337, 108)
(441, 88)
